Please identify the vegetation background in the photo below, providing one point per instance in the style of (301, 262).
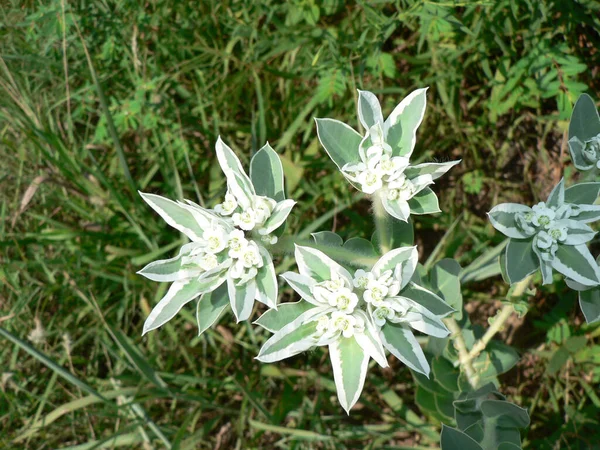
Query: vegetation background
(99, 98)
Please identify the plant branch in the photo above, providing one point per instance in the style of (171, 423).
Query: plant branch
(465, 356)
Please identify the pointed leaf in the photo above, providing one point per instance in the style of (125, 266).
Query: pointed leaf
(436, 170)
(425, 202)
(349, 363)
(278, 216)
(589, 301)
(266, 281)
(369, 340)
(275, 319)
(577, 263)
(557, 196)
(232, 168)
(585, 122)
(327, 238)
(241, 298)
(408, 257)
(401, 342)
(586, 213)
(453, 439)
(369, 109)
(210, 307)
(167, 270)
(502, 218)
(302, 285)
(266, 173)
(430, 301)
(520, 259)
(401, 125)
(339, 140)
(316, 264)
(582, 193)
(398, 209)
(445, 282)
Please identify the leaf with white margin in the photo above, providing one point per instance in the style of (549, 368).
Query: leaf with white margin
(545, 266)
(401, 126)
(502, 218)
(295, 337)
(369, 340)
(369, 109)
(266, 281)
(210, 307)
(429, 300)
(576, 148)
(317, 265)
(168, 270)
(266, 173)
(302, 284)
(577, 232)
(585, 120)
(242, 196)
(582, 193)
(436, 170)
(520, 259)
(177, 215)
(350, 364)
(339, 140)
(241, 298)
(425, 322)
(407, 256)
(557, 196)
(424, 202)
(275, 319)
(586, 213)
(577, 263)
(279, 214)
(589, 301)
(180, 293)
(400, 341)
(398, 209)
(230, 164)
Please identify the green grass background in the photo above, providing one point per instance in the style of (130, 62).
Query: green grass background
(99, 98)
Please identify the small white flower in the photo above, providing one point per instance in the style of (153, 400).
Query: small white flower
(250, 256)
(375, 293)
(558, 233)
(347, 324)
(237, 243)
(544, 240)
(321, 294)
(543, 216)
(403, 187)
(246, 220)
(389, 165)
(228, 206)
(208, 261)
(322, 324)
(334, 284)
(268, 238)
(383, 313)
(344, 299)
(361, 279)
(215, 239)
(370, 181)
(564, 211)
(264, 207)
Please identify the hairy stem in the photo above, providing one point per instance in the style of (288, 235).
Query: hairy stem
(381, 224)
(286, 245)
(465, 356)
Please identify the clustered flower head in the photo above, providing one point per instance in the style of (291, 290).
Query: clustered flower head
(228, 244)
(378, 162)
(553, 232)
(357, 316)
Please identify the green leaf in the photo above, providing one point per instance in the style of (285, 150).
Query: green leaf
(279, 215)
(406, 256)
(502, 218)
(266, 281)
(179, 294)
(317, 265)
(168, 270)
(453, 439)
(429, 300)
(266, 173)
(241, 298)
(210, 307)
(585, 121)
(436, 170)
(557, 196)
(576, 263)
(339, 140)
(401, 343)
(445, 374)
(233, 170)
(350, 364)
(327, 238)
(401, 125)
(360, 246)
(582, 193)
(275, 319)
(445, 282)
(589, 301)
(369, 109)
(425, 202)
(520, 260)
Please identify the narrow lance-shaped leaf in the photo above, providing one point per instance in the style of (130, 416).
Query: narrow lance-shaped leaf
(266, 173)
(241, 298)
(401, 342)
(266, 281)
(275, 319)
(339, 140)
(349, 363)
(210, 307)
(401, 125)
(369, 109)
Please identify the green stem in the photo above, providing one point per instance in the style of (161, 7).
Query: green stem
(381, 224)
(286, 245)
(465, 356)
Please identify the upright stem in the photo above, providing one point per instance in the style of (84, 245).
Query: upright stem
(465, 356)
(381, 224)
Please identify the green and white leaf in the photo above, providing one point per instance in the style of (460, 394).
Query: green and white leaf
(502, 218)
(339, 140)
(408, 257)
(436, 170)
(232, 168)
(275, 319)
(400, 341)
(369, 340)
(369, 109)
(241, 298)
(557, 196)
(401, 125)
(586, 213)
(266, 281)
(582, 193)
(424, 202)
(577, 263)
(266, 173)
(210, 307)
(279, 215)
(168, 270)
(317, 265)
(520, 259)
(349, 363)
(427, 299)
(589, 301)
(302, 284)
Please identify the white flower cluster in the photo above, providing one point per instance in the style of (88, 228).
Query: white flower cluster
(378, 169)
(547, 223)
(248, 219)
